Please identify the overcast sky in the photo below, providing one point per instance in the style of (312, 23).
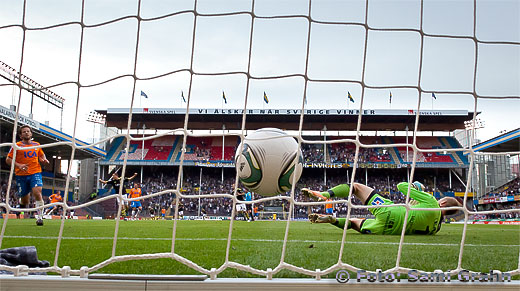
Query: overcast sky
(279, 47)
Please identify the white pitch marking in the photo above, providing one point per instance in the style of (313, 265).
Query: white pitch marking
(258, 240)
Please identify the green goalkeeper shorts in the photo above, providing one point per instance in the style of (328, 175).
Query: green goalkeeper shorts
(389, 220)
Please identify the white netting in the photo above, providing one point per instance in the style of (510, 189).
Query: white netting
(214, 271)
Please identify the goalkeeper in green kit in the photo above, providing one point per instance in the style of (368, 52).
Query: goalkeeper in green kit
(388, 220)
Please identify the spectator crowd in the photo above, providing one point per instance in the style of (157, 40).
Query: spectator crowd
(211, 183)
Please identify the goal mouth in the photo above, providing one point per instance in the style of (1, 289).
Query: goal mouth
(293, 62)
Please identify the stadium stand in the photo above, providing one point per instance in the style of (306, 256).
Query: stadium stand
(503, 197)
(167, 149)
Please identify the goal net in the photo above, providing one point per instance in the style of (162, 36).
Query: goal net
(342, 55)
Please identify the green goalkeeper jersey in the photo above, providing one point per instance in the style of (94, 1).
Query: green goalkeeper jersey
(390, 220)
(421, 221)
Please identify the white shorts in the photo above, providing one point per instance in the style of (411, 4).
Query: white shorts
(125, 202)
(241, 207)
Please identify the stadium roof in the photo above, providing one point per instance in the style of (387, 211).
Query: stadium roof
(45, 134)
(289, 119)
(507, 142)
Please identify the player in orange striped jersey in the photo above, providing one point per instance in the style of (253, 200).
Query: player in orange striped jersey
(329, 207)
(54, 198)
(28, 170)
(135, 192)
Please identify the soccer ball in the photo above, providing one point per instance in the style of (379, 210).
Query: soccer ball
(268, 161)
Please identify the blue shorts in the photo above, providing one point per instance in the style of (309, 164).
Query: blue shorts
(329, 211)
(135, 204)
(26, 183)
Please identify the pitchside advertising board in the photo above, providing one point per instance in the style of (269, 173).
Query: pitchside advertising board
(228, 164)
(501, 199)
(195, 111)
(502, 222)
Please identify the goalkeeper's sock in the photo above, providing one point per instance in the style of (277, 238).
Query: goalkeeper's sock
(39, 212)
(340, 222)
(21, 214)
(133, 213)
(341, 190)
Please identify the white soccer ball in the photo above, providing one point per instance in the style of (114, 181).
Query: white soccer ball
(268, 161)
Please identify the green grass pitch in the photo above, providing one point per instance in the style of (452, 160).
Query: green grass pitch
(259, 244)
